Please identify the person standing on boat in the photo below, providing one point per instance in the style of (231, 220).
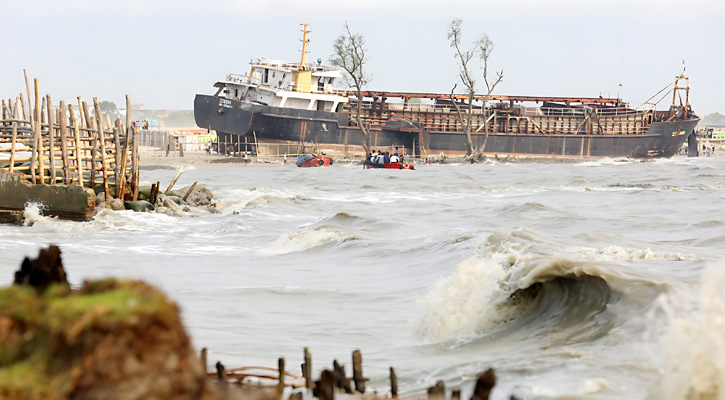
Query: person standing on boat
(394, 158)
(386, 158)
(285, 159)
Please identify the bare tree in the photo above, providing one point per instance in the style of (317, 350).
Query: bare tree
(483, 47)
(349, 53)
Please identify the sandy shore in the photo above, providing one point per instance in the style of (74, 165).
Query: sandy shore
(151, 159)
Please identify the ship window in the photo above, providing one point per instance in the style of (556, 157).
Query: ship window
(266, 75)
(236, 92)
(330, 81)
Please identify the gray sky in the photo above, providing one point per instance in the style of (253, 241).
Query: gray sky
(163, 52)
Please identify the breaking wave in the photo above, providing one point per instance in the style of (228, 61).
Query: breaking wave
(306, 240)
(525, 283)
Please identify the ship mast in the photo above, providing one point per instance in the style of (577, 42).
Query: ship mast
(303, 61)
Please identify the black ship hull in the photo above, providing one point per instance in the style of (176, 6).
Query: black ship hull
(239, 122)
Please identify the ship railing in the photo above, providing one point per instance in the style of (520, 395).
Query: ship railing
(545, 120)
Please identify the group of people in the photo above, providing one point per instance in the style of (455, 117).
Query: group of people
(144, 125)
(378, 158)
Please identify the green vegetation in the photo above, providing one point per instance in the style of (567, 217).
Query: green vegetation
(180, 119)
(713, 119)
(44, 337)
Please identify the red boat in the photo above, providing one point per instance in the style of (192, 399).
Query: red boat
(313, 160)
(392, 165)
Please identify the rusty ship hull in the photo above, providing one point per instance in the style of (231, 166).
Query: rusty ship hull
(435, 131)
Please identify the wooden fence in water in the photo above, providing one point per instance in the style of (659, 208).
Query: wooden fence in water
(68, 146)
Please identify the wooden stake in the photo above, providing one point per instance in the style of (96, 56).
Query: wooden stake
(393, 384)
(188, 192)
(117, 155)
(51, 140)
(280, 368)
(93, 134)
(308, 369)
(357, 374)
(203, 360)
(63, 145)
(79, 152)
(12, 143)
(178, 174)
(30, 108)
(136, 158)
(102, 138)
(38, 136)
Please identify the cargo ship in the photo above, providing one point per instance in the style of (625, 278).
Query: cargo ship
(301, 105)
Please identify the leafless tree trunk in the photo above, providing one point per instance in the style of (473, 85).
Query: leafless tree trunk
(349, 53)
(483, 48)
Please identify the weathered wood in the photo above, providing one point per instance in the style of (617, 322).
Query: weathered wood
(307, 371)
(51, 140)
(91, 125)
(437, 391)
(357, 374)
(30, 98)
(178, 174)
(342, 381)
(153, 193)
(38, 137)
(63, 120)
(5, 110)
(136, 158)
(117, 153)
(393, 384)
(79, 151)
(13, 141)
(203, 359)
(102, 139)
(325, 387)
(191, 189)
(484, 384)
(280, 369)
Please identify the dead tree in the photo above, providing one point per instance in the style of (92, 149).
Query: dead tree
(482, 48)
(349, 53)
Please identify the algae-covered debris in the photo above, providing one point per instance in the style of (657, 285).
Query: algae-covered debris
(111, 339)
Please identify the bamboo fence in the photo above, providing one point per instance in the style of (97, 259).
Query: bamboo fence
(67, 146)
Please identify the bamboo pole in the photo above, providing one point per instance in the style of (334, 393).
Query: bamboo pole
(30, 109)
(51, 140)
(38, 138)
(117, 146)
(178, 174)
(102, 138)
(136, 159)
(77, 134)
(12, 143)
(63, 145)
(124, 161)
(91, 125)
(5, 109)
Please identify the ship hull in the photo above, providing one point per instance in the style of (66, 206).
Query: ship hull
(238, 122)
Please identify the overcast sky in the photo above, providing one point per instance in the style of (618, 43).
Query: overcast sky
(163, 52)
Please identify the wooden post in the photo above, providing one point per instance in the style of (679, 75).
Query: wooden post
(393, 384)
(484, 384)
(203, 360)
(438, 391)
(51, 140)
(280, 369)
(63, 143)
(30, 98)
(117, 152)
(5, 110)
(188, 192)
(91, 130)
(357, 374)
(136, 158)
(178, 174)
(307, 372)
(122, 170)
(12, 143)
(79, 152)
(102, 138)
(38, 136)
(325, 386)
(342, 381)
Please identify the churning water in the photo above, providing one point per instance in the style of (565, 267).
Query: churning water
(592, 280)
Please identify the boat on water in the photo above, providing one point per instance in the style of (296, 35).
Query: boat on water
(300, 103)
(390, 165)
(313, 160)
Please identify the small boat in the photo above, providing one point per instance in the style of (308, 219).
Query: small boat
(391, 165)
(313, 160)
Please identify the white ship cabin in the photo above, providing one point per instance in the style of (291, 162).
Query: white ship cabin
(310, 86)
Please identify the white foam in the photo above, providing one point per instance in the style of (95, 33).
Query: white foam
(694, 345)
(304, 240)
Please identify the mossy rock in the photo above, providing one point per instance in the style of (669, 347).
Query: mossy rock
(112, 339)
